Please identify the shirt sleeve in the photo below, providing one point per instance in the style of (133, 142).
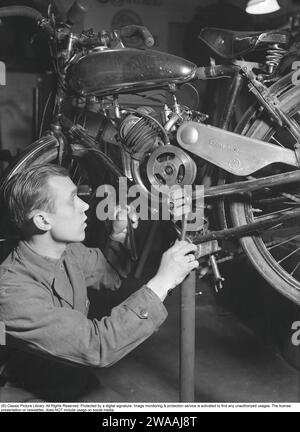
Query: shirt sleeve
(33, 323)
(103, 269)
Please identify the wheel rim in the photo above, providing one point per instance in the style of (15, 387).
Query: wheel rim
(280, 246)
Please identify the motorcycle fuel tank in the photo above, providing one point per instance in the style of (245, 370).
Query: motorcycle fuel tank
(125, 70)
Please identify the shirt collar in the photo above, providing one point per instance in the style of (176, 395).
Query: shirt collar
(42, 265)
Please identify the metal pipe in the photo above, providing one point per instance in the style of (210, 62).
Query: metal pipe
(187, 339)
(36, 113)
(230, 104)
(216, 71)
(91, 145)
(187, 331)
(145, 253)
(184, 227)
(131, 238)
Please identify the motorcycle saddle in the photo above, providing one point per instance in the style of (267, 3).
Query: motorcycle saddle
(232, 44)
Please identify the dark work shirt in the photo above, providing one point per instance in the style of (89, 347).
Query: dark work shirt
(43, 311)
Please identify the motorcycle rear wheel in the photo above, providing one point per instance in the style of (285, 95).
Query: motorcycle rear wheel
(275, 254)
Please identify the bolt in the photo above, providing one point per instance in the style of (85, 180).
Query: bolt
(169, 170)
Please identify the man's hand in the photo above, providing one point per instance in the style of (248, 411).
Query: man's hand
(120, 223)
(176, 263)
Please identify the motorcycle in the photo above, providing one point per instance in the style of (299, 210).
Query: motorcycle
(250, 174)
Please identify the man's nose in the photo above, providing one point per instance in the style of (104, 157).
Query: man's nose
(84, 206)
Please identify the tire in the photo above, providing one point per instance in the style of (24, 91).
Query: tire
(267, 258)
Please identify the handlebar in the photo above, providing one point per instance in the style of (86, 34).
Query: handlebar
(27, 12)
(215, 72)
(74, 15)
(77, 10)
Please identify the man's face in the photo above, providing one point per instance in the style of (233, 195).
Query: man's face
(68, 220)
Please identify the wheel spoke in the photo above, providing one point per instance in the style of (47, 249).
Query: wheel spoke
(295, 269)
(284, 242)
(277, 142)
(289, 255)
(267, 215)
(273, 227)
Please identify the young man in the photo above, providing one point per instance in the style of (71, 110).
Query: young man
(51, 346)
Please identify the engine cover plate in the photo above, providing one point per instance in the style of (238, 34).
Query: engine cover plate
(237, 154)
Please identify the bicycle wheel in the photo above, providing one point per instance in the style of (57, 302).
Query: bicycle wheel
(275, 254)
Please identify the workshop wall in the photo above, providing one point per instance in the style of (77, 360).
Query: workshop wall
(157, 15)
(16, 110)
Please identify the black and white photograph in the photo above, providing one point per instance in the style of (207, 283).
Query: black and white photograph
(149, 208)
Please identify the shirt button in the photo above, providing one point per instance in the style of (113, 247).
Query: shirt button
(144, 313)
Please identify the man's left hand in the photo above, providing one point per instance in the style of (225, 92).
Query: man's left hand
(122, 217)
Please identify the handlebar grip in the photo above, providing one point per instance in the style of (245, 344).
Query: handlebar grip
(135, 30)
(21, 11)
(148, 38)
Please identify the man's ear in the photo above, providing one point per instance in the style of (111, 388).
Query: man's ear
(42, 221)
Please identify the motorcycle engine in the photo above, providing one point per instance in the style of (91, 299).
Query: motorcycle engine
(140, 132)
(154, 161)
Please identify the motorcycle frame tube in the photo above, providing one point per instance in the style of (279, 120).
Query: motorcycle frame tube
(232, 96)
(252, 228)
(247, 186)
